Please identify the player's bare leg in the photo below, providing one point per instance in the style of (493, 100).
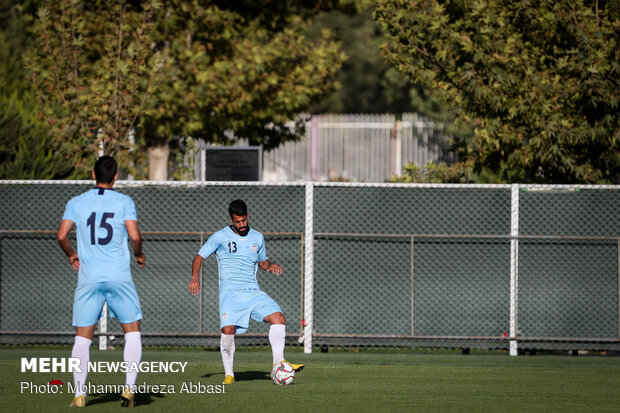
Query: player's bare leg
(277, 338)
(81, 351)
(132, 354)
(227, 348)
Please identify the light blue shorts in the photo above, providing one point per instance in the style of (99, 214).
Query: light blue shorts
(121, 296)
(237, 306)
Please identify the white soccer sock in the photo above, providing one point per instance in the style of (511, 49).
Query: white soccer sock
(132, 354)
(81, 351)
(227, 348)
(277, 336)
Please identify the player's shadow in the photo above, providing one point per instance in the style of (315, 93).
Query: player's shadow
(245, 375)
(140, 398)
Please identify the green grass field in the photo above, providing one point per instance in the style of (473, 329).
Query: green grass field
(365, 381)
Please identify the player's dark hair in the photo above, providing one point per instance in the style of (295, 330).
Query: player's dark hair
(237, 207)
(105, 169)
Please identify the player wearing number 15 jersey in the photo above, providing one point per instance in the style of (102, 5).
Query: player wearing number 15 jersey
(103, 219)
(240, 251)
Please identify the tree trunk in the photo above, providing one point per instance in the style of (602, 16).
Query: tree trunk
(159, 153)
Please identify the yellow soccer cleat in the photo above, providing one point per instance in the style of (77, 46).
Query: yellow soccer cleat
(127, 398)
(297, 367)
(79, 401)
(229, 380)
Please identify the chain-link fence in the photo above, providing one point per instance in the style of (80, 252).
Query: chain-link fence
(486, 266)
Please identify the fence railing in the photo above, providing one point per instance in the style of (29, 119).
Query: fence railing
(413, 265)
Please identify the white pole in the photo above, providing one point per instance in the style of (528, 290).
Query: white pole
(103, 328)
(396, 166)
(309, 268)
(514, 267)
(203, 164)
(103, 321)
(314, 148)
(100, 138)
(412, 287)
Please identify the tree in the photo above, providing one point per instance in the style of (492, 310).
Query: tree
(539, 79)
(92, 68)
(243, 67)
(370, 84)
(458, 173)
(26, 151)
(173, 69)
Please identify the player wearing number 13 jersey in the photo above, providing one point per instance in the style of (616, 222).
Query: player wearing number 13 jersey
(237, 257)
(104, 219)
(240, 251)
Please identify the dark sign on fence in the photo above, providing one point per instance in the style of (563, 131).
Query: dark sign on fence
(241, 163)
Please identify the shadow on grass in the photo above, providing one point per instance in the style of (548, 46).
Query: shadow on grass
(244, 375)
(140, 398)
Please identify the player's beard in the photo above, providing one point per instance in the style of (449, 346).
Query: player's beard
(243, 232)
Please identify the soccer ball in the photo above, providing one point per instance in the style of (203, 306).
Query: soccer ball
(282, 373)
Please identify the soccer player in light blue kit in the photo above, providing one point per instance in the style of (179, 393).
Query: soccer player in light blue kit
(240, 250)
(103, 219)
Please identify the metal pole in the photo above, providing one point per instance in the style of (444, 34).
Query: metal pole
(202, 287)
(314, 148)
(514, 267)
(301, 288)
(396, 166)
(103, 328)
(412, 288)
(309, 269)
(203, 164)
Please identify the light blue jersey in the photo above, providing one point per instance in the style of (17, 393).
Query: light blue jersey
(99, 216)
(237, 257)
(237, 260)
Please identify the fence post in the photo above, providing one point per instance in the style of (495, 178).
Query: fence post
(412, 287)
(309, 269)
(514, 267)
(103, 328)
(396, 164)
(200, 297)
(314, 148)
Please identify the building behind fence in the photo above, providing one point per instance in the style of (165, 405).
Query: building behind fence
(476, 266)
(360, 148)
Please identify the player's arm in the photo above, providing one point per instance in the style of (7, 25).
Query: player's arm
(194, 285)
(63, 239)
(270, 266)
(136, 241)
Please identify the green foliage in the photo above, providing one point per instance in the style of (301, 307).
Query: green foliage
(92, 68)
(228, 69)
(13, 40)
(458, 173)
(176, 68)
(26, 151)
(25, 147)
(368, 83)
(539, 80)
